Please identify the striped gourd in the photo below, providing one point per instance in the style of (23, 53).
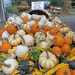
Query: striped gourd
(47, 60)
(26, 28)
(14, 40)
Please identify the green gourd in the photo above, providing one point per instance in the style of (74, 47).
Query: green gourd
(72, 64)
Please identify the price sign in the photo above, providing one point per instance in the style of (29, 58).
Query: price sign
(37, 5)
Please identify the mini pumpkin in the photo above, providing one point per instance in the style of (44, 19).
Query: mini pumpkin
(46, 28)
(73, 72)
(11, 29)
(40, 36)
(47, 60)
(14, 40)
(31, 34)
(35, 28)
(52, 31)
(63, 71)
(25, 20)
(65, 48)
(26, 28)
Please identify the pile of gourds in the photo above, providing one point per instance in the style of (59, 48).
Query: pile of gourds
(37, 45)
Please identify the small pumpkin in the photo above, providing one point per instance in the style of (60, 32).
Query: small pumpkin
(66, 48)
(52, 31)
(26, 28)
(63, 71)
(59, 33)
(46, 28)
(73, 72)
(40, 36)
(36, 22)
(47, 60)
(59, 41)
(35, 28)
(56, 50)
(25, 20)
(31, 34)
(6, 46)
(11, 29)
(14, 40)
(68, 40)
(1, 31)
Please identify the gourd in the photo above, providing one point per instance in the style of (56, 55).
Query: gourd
(5, 47)
(72, 64)
(5, 35)
(30, 23)
(11, 20)
(29, 40)
(64, 30)
(68, 40)
(59, 41)
(25, 20)
(47, 60)
(52, 71)
(36, 72)
(56, 50)
(18, 21)
(43, 31)
(70, 34)
(20, 31)
(21, 49)
(41, 24)
(63, 71)
(26, 28)
(9, 65)
(40, 36)
(35, 28)
(66, 48)
(27, 66)
(46, 28)
(14, 39)
(11, 29)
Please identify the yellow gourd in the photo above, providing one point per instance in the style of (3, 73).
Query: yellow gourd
(50, 72)
(26, 56)
(12, 50)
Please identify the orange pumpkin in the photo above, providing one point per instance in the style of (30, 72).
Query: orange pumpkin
(25, 20)
(63, 71)
(68, 40)
(43, 31)
(65, 25)
(61, 26)
(70, 30)
(56, 50)
(52, 31)
(66, 48)
(31, 34)
(73, 72)
(55, 28)
(11, 29)
(35, 28)
(6, 46)
(59, 41)
(59, 33)
(36, 22)
(46, 28)
(58, 28)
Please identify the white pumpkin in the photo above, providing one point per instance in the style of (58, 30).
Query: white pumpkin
(41, 24)
(30, 23)
(25, 27)
(18, 21)
(11, 20)
(23, 15)
(70, 34)
(43, 44)
(29, 40)
(5, 35)
(21, 50)
(13, 64)
(29, 16)
(47, 60)
(39, 35)
(14, 40)
(21, 32)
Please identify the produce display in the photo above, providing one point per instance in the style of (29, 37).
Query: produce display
(37, 45)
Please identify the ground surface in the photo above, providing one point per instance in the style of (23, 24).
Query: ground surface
(69, 19)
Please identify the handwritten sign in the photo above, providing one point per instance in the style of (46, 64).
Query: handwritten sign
(37, 5)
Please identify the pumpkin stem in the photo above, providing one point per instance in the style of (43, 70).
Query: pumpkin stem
(65, 73)
(23, 41)
(46, 52)
(6, 65)
(14, 36)
(18, 27)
